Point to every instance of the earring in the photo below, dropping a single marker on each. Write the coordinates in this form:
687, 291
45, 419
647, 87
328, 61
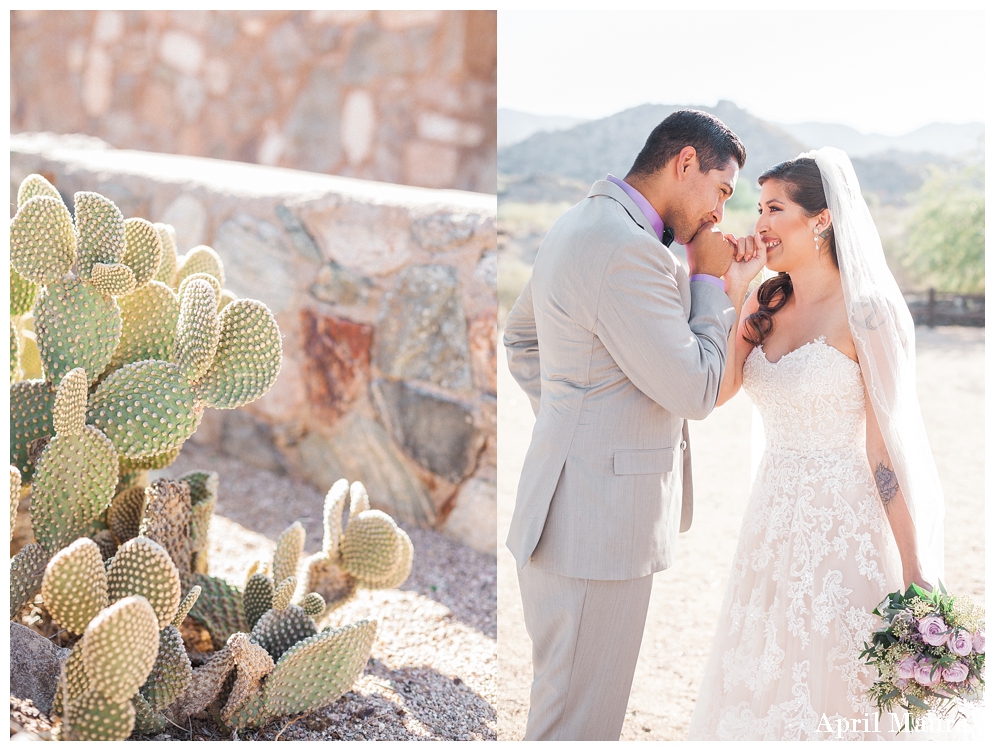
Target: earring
815, 231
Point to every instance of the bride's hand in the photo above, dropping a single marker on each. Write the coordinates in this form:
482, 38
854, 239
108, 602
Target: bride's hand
751, 256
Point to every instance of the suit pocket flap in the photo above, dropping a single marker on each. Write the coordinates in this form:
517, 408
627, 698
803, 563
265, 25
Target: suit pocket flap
644, 462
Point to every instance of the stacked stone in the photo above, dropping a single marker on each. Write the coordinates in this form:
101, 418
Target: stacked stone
386, 296
403, 96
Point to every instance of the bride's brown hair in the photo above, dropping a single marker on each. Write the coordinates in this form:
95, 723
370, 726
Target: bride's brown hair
804, 183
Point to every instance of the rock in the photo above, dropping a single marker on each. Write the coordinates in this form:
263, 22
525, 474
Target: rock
360, 449
339, 286
486, 271
473, 520
374, 54
443, 230
298, 233
34, 666
337, 363
250, 441
370, 239
482, 335
182, 52
257, 261
421, 330
312, 128
359, 121
430, 165
189, 218
436, 432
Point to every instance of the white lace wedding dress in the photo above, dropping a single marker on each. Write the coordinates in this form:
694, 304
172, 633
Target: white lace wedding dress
815, 556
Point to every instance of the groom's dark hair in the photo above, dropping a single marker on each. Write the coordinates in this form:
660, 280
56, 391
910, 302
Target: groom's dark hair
714, 143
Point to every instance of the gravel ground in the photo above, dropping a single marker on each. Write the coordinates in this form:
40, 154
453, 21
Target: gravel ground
432, 672
684, 606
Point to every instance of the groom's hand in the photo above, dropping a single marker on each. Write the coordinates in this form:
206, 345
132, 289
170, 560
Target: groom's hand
710, 252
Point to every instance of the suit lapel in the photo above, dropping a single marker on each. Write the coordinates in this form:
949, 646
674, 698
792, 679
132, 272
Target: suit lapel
611, 190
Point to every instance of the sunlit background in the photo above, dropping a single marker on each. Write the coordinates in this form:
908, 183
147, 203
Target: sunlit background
578, 92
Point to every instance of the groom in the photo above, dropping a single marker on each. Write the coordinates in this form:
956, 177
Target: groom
616, 346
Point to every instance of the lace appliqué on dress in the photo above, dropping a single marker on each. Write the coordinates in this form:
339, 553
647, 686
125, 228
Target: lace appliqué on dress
815, 556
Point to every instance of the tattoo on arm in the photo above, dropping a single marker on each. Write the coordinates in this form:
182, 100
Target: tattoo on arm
887, 484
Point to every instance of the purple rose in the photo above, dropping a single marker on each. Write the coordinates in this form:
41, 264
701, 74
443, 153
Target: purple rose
959, 641
906, 669
933, 630
925, 675
979, 642
956, 673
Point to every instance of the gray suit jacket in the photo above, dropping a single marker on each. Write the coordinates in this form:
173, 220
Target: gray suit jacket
615, 349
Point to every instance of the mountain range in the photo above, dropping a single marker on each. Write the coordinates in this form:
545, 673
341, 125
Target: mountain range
572, 157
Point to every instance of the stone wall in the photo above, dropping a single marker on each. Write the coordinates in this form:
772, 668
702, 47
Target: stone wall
404, 96
386, 297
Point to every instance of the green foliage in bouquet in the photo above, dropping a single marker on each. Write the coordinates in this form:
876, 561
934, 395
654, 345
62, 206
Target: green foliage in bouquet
929, 653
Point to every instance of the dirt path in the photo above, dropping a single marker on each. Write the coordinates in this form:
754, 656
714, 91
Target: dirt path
686, 597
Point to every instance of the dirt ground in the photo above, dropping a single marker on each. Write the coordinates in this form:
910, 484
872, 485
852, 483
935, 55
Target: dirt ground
951, 391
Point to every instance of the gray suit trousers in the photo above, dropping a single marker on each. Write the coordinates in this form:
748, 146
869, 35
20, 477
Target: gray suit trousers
585, 641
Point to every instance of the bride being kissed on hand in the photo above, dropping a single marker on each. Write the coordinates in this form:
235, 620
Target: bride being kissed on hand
847, 505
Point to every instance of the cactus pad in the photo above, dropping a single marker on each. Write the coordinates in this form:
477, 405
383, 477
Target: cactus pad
248, 357
145, 408
143, 249
124, 516
148, 324
171, 672
31, 405
335, 501
279, 630
289, 548
185, 606
16, 374
76, 327
370, 546
93, 717
15, 497
252, 663
36, 185
284, 593
114, 279
42, 240
69, 410
166, 273
23, 293
257, 598
215, 284
219, 608
73, 681
316, 672
143, 567
27, 571
359, 499
200, 259
147, 720
167, 520
205, 684
120, 647
74, 482
75, 585
152, 461
99, 232
198, 329
313, 604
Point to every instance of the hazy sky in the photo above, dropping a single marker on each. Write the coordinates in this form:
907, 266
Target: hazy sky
878, 71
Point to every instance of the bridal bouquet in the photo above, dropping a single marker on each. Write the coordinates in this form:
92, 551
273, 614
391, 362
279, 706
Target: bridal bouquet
929, 652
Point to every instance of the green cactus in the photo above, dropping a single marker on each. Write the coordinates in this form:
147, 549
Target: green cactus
313, 604
124, 515
23, 294
289, 548
219, 608
93, 717
166, 273
311, 674
31, 405
100, 232
200, 259
27, 571
278, 630
42, 240
16, 374
120, 647
171, 672
76, 474
75, 585
257, 598
15, 497
185, 606
36, 185
148, 324
143, 567
147, 720
143, 250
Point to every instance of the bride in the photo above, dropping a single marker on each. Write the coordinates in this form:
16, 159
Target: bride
847, 505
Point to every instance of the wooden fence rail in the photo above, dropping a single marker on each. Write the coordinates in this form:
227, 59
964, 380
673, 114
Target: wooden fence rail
932, 308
